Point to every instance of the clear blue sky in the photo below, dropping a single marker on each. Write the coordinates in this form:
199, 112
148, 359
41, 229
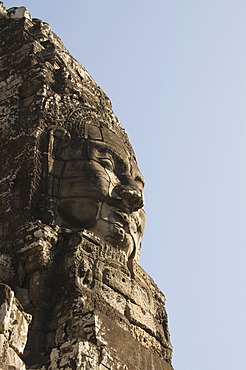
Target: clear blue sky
175, 71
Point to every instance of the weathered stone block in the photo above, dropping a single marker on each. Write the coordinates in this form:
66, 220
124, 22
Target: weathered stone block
13, 330
117, 280
6, 268
140, 294
74, 355
114, 299
13, 320
115, 352
142, 318
9, 359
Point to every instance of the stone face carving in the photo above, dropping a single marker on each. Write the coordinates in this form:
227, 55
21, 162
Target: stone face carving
96, 185
71, 217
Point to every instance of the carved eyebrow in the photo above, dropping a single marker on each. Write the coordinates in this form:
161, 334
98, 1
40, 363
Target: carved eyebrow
121, 165
106, 160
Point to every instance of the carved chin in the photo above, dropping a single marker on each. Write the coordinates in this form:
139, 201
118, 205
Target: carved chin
114, 234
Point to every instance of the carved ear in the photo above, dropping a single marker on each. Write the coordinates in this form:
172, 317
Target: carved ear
59, 139
55, 142
44, 200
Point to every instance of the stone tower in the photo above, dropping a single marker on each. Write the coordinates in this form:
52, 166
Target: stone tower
72, 292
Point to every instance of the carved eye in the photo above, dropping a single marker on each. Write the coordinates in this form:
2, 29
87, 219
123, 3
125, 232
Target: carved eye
107, 163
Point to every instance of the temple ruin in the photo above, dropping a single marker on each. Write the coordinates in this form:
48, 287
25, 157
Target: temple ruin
72, 292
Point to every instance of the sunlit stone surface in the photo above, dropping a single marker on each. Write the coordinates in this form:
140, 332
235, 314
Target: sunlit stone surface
73, 293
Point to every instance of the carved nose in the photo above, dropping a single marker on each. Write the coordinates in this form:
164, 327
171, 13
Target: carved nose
131, 197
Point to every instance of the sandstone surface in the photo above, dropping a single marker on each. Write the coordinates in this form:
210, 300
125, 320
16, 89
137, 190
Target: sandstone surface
72, 292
